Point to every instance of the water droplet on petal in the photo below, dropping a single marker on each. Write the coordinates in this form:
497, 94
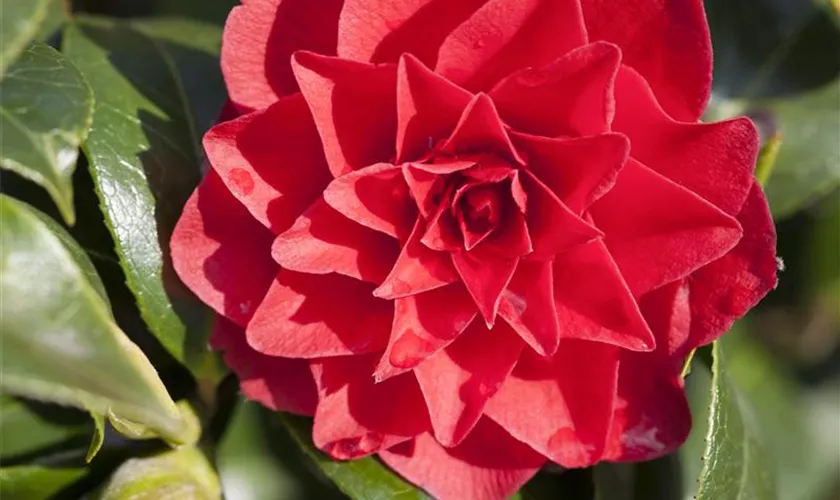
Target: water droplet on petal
240, 181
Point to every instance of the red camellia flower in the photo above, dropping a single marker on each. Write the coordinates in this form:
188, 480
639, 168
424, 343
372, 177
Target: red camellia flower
474, 236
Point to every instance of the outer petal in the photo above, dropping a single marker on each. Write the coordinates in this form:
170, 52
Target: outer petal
664, 40
658, 231
652, 417
354, 109
424, 324
418, 269
594, 302
323, 241
313, 316
376, 197
458, 381
578, 170
727, 288
271, 160
281, 384
505, 35
221, 252
572, 95
382, 30
562, 407
357, 417
527, 305
715, 160
428, 108
259, 39
667, 311
488, 465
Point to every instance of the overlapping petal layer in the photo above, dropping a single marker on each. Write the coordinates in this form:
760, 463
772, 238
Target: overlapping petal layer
474, 235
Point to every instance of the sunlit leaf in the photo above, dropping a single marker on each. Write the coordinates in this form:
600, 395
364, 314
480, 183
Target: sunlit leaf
735, 462
182, 473
60, 342
157, 86
19, 23
46, 108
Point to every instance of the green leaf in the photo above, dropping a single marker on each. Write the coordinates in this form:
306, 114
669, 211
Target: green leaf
36, 483
182, 473
362, 479
60, 342
46, 108
58, 13
808, 162
27, 427
98, 436
777, 62
767, 159
157, 86
772, 48
79, 256
19, 23
735, 465
214, 11
780, 415
246, 461
804, 462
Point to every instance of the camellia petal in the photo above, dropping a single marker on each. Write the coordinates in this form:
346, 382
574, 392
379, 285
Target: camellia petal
553, 227
577, 170
480, 130
291, 322
418, 269
571, 96
350, 421
424, 324
593, 301
323, 241
282, 384
354, 108
485, 278
667, 42
727, 288
652, 243
221, 252
528, 306
667, 311
545, 404
505, 35
271, 160
376, 197
488, 465
259, 40
652, 417
427, 184
714, 160
382, 30
428, 108
457, 384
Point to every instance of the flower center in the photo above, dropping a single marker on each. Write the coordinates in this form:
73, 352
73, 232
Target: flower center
478, 209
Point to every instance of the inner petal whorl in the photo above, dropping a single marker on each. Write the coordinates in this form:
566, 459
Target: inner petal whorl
479, 208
